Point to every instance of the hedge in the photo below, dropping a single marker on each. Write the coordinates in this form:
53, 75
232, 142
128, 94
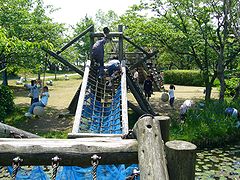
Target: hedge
6, 102
183, 77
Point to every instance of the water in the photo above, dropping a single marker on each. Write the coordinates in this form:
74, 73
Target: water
218, 163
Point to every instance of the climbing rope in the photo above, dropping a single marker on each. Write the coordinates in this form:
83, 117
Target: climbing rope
55, 165
16, 164
95, 161
101, 112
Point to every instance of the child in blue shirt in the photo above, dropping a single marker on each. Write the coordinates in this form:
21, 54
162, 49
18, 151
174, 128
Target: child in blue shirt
34, 91
43, 102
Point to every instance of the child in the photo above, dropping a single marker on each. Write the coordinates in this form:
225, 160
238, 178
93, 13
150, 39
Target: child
98, 51
43, 102
135, 76
232, 112
34, 92
148, 87
114, 69
187, 104
171, 95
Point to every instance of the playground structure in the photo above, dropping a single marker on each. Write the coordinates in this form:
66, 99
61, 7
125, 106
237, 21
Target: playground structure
101, 128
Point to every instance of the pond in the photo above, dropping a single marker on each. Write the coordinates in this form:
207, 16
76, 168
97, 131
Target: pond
218, 163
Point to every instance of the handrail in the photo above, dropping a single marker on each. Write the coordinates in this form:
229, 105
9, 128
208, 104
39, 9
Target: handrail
81, 99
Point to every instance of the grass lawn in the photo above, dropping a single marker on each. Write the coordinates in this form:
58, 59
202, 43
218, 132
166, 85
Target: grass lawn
61, 94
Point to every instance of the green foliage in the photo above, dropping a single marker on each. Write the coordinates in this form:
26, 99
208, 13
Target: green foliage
183, 77
231, 84
207, 126
54, 134
6, 102
24, 29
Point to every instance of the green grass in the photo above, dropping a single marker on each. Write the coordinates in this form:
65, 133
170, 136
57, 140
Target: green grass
207, 126
16, 117
54, 134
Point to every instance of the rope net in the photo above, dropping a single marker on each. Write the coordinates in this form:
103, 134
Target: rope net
101, 112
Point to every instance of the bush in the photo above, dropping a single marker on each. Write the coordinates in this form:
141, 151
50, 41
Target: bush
6, 102
231, 84
208, 126
183, 77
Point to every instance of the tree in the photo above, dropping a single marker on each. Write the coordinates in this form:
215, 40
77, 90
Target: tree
198, 30
107, 19
28, 28
82, 48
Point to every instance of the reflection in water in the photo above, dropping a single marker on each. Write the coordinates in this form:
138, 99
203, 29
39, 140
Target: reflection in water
219, 163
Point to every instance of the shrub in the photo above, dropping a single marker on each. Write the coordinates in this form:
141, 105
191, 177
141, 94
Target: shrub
231, 84
6, 102
183, 77
208, 126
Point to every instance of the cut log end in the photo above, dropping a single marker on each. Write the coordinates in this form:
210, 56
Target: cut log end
181, 145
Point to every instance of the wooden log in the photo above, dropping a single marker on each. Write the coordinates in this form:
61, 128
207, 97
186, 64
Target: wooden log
62, 60
73, 104
73, 152
7, 131
89, 29
151, 155
181, 158
164, 125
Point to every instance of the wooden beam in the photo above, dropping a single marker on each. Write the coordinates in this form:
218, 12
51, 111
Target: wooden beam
136, 109
124, 100
110, 35
73, 152
9, 131
65, 62
151, 155
90, 28
73, 104
141, 61
136, 46
78, 113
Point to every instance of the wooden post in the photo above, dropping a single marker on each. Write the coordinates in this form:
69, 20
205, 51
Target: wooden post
151, 155
164, 125
120, 43
181, 158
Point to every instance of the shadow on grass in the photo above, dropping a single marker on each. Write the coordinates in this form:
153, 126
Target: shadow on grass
49, 125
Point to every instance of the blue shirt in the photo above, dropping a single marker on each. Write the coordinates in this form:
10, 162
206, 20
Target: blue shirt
232, 111
44, 98
34, 91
